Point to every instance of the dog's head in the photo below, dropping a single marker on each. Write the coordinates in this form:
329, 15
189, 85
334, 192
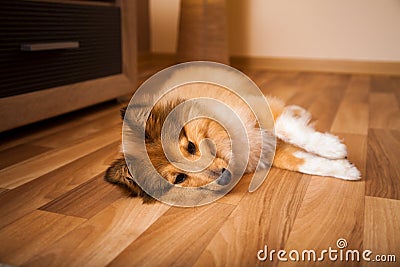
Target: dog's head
190, 138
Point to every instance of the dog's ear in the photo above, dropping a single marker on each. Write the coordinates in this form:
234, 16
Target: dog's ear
118, 174
123, 111
157, 117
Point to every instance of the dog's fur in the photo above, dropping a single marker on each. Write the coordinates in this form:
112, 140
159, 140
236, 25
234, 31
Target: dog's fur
299, 147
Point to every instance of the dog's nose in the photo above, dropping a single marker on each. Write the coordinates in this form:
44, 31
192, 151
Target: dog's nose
225, 177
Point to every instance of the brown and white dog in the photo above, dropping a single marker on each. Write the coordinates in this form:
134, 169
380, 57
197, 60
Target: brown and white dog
299, 147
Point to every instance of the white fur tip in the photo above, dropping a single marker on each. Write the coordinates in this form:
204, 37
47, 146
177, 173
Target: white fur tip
350, 173
295, 129
339, 168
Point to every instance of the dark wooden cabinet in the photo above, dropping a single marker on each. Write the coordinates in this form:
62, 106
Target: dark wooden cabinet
44, 45
58, 56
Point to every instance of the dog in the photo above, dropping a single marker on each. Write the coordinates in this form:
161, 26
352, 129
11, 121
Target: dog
299, 147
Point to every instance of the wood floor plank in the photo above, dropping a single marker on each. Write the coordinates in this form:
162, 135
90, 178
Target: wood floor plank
25, 237
396, 87
238, 192
77, 133
189, 239
284, 93
56, 210
386, 84
357, 150
35, 167
20, 153
309, 87
385, 111
351, 118
279, 84
358, 89
353, 113
262, 77
58, 124
86, 200
331, 209
100, 239
381, 229
325, 106
383, 161
282, 85
263, 217
303, 98
24, 199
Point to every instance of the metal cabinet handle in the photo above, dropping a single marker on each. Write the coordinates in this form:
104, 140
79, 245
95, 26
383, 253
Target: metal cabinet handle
49, 46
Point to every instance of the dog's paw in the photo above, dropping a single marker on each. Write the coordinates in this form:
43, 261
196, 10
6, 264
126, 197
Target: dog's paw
347, 171
339, 168
327, 145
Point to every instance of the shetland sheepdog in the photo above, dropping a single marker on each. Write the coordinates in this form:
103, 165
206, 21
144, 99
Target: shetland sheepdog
299, 147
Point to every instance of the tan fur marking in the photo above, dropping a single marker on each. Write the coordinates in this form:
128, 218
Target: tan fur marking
284, 157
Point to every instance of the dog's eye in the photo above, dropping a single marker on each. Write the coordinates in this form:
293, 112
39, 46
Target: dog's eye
180, 178
191, 148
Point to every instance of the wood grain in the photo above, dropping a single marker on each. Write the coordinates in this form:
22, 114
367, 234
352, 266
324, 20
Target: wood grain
381, 235
325, 106
20, 153
282, 92
386, 84
61, 123
74, 134
353, 113
25, 237
33, 168
289, 210
86, 200
385, 112
17, 110
357, 150
331, 209
238, 192
349, 115
281, 85
383, 164
313, 87
265, 216
26, 198
100, 239
189, 239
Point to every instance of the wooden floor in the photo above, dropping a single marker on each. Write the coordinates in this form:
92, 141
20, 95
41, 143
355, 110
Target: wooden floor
56, 210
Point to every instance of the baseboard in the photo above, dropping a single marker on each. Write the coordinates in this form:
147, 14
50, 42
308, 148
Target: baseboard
318, 65
296, 64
